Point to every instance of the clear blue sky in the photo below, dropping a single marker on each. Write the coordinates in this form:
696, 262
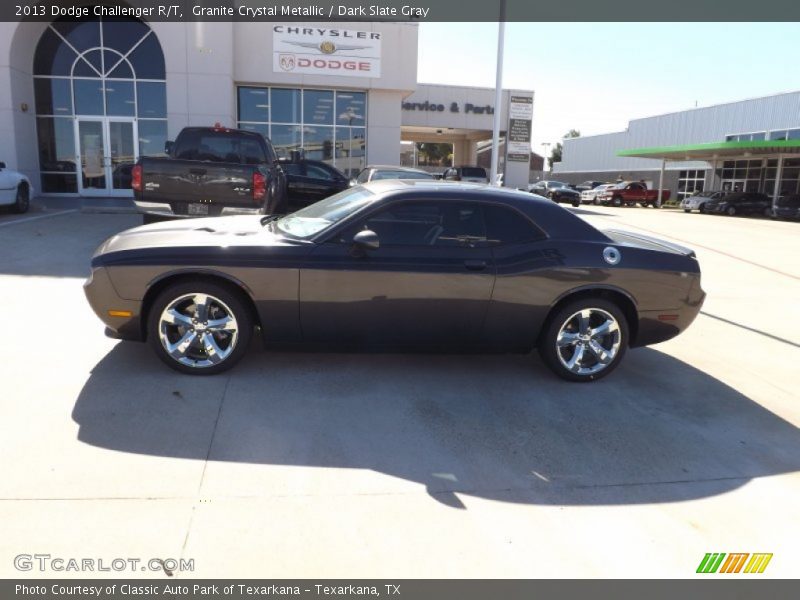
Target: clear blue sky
595, 77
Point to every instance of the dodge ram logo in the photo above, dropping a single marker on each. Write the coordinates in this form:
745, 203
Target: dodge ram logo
287, 62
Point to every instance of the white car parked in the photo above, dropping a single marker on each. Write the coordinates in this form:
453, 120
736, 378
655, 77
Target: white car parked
590, 196
15, 189
698, 200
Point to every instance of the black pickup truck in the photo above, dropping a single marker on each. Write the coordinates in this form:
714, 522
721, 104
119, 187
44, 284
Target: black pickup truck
210, 171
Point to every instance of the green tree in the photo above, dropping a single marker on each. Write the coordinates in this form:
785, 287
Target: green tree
555, 153
434, 154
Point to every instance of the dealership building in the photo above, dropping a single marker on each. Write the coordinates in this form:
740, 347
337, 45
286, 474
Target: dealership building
751, 145
81, 100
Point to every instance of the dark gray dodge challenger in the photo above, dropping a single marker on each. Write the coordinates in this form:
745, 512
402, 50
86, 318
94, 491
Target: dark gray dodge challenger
397, 264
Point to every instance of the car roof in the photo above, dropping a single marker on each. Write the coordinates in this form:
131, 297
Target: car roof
551, 217
396, 168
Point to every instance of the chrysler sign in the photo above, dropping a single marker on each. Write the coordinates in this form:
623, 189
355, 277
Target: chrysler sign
326, 51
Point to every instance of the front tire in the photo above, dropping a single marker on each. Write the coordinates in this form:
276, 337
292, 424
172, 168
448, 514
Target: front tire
199, 328
616, 201
687, 210
731, 211
23, 200
585, 340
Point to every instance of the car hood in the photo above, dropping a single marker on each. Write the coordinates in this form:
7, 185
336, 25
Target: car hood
244, 230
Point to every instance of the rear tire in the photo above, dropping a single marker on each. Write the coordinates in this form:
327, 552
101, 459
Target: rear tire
585, 340
616, 201
731, 211
23, 201
199, 327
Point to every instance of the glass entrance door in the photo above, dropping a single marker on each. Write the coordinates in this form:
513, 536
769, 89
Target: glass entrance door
106, 154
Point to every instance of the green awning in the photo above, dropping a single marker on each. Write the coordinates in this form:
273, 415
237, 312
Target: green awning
716, 150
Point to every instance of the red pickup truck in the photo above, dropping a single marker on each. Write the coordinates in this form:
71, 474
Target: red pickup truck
629, 193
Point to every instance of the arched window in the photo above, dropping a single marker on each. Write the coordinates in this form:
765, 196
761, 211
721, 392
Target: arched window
107, 68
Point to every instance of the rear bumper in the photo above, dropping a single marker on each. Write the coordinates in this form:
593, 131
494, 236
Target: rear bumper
657, 326
166, 210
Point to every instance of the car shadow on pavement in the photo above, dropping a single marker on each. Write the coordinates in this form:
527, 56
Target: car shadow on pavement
491, 426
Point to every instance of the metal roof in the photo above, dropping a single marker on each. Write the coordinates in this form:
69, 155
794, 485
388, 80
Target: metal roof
714, 150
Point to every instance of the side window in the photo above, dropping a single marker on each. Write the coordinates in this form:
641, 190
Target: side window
317, 172
363, 177
426, 224
507, 226
295, 169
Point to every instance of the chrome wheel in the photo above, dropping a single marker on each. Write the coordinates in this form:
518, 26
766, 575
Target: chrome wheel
198, 330
588, 341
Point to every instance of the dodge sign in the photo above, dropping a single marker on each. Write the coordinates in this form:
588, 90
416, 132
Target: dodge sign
326, 51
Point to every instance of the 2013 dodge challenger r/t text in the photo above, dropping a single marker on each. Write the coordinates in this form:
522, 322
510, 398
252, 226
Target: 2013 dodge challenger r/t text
397, 264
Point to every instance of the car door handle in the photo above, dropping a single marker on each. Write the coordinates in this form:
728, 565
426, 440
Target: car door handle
475, 265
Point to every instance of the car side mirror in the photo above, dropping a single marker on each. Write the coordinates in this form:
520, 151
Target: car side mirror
366, 240
169, 146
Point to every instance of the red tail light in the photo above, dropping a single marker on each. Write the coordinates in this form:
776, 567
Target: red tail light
259, 186
136, 178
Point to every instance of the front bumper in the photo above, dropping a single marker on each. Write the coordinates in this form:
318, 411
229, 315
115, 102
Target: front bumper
121, 317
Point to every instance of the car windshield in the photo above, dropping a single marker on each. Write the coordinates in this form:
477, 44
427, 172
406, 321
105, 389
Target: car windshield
556, 184
310, 221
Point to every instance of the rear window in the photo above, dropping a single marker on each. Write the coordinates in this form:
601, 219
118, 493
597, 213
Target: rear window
400, 175
473, 172
219, 146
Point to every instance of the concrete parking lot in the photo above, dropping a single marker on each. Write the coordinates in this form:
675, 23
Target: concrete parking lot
357, 465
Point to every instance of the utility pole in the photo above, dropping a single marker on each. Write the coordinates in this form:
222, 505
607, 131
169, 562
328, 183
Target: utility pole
498, 95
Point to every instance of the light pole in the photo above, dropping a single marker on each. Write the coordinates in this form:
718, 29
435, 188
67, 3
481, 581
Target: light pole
498, 95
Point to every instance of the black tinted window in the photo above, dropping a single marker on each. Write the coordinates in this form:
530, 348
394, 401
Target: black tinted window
292, 168
219, 147
507, 226
318, 172
427, 224
473, 172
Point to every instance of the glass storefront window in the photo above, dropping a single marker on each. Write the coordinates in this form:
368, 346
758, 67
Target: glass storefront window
101, 68
318, 142
286, 138
285, 105
88, 96
318, 107
56, 144
119, 99
295, 119
261, 128
253, 104
53, 97
690, 182
152, 137
151, 98
351, 108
